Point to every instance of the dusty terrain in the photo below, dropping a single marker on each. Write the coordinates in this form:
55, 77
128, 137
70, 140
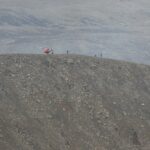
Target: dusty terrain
60, 102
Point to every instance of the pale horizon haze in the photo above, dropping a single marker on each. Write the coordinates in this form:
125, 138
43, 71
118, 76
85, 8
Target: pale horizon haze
120, 29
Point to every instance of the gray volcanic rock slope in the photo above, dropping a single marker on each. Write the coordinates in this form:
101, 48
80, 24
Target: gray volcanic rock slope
59, 102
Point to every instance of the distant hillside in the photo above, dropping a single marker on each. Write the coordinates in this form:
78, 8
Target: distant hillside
118, 28
60, 102
14, 18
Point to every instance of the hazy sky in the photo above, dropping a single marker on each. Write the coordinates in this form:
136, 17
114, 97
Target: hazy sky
118, 28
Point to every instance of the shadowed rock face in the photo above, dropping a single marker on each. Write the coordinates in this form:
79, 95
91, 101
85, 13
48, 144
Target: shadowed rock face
59, 102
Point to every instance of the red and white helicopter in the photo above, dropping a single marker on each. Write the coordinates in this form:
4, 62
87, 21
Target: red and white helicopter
48, 51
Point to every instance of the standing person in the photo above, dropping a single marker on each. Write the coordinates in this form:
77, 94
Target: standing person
101, 55
67, 52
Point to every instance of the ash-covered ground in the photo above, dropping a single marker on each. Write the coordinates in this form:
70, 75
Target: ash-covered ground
72, 102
